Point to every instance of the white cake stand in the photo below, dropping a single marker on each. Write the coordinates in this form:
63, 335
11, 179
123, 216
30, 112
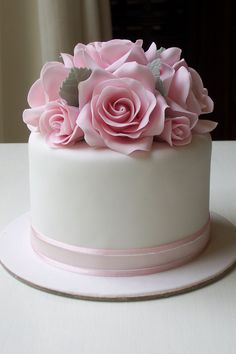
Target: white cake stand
17, 256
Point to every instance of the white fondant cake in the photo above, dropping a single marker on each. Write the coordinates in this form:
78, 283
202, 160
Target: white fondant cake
119, 160
99, 198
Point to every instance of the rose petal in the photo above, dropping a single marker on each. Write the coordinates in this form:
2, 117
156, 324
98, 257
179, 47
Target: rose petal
53, 75
204, 126
175, 110
171, 55
108, 55
139, 42
138, 72
182, 142
135, 54
166, 133
91, 137
179, 64
151, 53
200, 92
36, 96
112, 133
151, 99
86, 87
167, 74
110, 113
68, 60
31, 117
193, 104
180, 86
110, 120
114, 50
83, 59
128, 146
157, 117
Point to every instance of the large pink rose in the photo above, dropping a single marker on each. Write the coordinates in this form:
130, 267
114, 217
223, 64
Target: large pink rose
56, 121
121, 110
107, 55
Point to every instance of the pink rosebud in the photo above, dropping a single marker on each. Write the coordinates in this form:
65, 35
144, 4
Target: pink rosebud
177, 131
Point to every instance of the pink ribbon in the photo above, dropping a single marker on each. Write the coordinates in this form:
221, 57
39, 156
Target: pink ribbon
120, 262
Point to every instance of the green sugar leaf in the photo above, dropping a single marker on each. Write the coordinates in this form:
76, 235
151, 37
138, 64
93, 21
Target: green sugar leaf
69, 90
155, 67
160, 87
160, 50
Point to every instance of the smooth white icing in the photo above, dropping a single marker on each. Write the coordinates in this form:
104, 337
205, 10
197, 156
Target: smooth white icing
104, 199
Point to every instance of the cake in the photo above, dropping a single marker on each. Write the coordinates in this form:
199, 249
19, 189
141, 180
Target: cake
119, 160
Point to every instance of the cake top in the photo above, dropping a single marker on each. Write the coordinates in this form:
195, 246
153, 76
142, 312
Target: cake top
114, 94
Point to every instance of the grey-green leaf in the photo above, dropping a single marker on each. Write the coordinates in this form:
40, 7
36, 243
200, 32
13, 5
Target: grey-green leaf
160, 50
69, 90
155, 67
160, 87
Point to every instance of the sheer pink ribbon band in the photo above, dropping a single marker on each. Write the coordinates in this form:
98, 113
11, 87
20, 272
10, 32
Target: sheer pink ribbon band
120, 262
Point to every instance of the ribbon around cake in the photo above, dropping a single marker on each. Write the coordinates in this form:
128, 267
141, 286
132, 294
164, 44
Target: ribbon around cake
120, 262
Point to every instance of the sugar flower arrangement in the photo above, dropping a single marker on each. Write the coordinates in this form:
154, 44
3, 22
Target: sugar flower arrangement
114, 94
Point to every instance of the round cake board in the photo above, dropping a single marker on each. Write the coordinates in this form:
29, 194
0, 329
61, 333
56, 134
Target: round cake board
17, 256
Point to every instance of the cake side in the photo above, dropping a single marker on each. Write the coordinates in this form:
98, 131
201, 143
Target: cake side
100, 198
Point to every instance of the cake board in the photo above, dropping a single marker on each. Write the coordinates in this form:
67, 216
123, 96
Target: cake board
19, 259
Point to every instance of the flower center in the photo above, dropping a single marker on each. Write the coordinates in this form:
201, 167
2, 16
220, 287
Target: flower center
120, 107
179, 131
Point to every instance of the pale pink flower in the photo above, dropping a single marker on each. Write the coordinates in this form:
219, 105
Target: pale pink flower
56, 121
121, 110
183, 87
177, 131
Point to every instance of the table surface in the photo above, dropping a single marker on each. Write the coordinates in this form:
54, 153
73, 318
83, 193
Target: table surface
35, 322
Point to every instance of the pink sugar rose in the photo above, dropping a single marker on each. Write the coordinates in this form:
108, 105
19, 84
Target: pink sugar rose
50, 119
121, 110
58, 124
56, 121
108, 55
177, 131
130, 98
186, 92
